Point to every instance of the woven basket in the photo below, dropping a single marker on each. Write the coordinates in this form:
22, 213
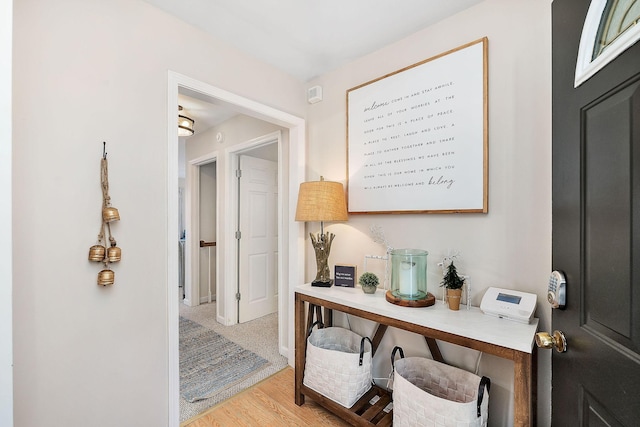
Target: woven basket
430, 393
337, 365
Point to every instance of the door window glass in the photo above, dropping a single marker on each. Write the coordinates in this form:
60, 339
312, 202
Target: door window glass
611, 26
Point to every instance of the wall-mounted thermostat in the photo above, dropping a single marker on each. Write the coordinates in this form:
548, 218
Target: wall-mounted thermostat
509, 304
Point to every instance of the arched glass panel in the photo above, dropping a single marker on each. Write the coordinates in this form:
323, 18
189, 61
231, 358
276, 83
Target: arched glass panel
611, 26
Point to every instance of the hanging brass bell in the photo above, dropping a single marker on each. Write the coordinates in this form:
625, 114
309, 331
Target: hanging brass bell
106, 277
96, 253
110, 214
114, 254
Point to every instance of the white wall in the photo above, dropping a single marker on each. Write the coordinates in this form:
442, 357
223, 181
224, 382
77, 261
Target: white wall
511, 245
6, 320
97, 71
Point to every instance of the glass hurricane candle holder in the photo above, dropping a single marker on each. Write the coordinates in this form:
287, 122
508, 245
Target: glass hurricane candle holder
409, 278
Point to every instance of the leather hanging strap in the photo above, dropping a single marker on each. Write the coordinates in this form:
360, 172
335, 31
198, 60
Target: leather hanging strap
317, 322
484, 382
362, 341
393, 355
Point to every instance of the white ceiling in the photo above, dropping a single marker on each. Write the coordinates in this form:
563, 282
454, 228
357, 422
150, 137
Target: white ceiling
304, 38
307, 38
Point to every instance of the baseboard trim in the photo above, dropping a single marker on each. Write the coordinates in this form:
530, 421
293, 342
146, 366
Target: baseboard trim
205, 299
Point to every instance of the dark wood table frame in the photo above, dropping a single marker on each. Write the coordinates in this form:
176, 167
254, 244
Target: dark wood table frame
525, 365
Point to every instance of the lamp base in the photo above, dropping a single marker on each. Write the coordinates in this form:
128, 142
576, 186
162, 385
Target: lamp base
427, 301
322, 284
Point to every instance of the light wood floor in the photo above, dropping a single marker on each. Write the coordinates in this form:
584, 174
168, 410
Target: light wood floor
268, 403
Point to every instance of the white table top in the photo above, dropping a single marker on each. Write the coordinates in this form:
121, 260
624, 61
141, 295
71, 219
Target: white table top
470, 323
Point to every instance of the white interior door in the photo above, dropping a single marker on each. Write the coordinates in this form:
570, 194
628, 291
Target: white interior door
258, 243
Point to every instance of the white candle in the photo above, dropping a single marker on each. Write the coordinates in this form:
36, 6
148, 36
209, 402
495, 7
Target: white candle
408, 278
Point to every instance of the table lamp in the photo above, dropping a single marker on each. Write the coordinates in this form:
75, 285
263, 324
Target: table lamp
321, 201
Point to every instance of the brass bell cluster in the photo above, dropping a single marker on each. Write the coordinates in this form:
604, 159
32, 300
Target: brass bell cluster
100, 252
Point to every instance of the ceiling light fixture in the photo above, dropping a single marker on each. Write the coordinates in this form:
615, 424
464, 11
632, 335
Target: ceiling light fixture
185, 124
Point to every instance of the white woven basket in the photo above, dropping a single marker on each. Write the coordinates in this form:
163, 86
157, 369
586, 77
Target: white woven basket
430, 393
333, 366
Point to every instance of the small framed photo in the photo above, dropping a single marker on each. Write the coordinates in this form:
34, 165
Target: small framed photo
345, 276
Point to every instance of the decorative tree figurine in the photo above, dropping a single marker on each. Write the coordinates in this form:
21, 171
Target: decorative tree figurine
453, 284
322, 246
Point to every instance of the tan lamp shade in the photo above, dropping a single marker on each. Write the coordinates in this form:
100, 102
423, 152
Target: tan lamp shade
321, 201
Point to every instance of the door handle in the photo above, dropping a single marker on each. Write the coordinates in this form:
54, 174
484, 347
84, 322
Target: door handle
557, 341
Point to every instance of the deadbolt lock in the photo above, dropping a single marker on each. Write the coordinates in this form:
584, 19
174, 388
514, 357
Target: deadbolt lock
557, 341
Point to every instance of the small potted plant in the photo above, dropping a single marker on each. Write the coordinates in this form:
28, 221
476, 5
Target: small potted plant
453, 283
369, 282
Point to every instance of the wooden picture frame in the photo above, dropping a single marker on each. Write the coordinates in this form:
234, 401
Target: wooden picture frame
417, 139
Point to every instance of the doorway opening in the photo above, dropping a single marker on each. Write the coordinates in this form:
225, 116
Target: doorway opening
292, 240
201, 221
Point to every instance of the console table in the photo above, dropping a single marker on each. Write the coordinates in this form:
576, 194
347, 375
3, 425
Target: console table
468, 328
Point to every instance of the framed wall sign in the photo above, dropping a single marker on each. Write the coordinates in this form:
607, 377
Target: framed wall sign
345, 276
417, 138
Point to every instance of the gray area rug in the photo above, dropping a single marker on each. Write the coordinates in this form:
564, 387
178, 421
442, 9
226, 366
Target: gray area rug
210, 363
259, 336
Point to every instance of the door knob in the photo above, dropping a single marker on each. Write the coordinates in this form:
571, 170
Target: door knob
557, 341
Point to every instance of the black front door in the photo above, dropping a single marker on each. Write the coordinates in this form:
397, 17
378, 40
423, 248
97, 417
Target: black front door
596, 231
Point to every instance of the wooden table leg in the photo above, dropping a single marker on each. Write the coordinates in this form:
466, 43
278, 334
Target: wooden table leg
534, 386
319, 316
309, 316
328, 317
300, 349
522, 389
377, 338
434, 349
